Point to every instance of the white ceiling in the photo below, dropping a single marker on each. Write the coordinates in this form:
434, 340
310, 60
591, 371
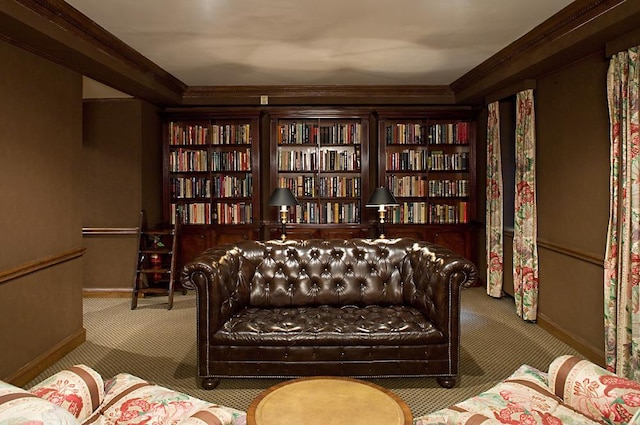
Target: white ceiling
318, 42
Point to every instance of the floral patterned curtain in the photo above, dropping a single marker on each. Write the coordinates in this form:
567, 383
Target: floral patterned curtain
525, 231
494, 211
622, 256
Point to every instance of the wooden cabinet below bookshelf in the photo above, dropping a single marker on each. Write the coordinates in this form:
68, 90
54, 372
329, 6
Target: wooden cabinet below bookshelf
197, 238
325, 231
457, 238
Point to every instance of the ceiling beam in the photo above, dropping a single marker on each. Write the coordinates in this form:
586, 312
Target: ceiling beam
57, 31
581, 29
318, 94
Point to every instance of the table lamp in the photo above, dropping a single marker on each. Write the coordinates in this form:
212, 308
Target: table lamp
382, 198
283, 198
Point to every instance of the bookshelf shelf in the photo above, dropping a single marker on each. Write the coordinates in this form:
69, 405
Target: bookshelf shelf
426, 159
322, 156
212, 168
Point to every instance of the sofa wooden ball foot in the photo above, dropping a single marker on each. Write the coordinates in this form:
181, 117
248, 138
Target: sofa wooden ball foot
446, 381
210, 383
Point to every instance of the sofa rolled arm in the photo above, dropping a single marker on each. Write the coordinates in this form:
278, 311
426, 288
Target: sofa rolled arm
438, 275
214, 275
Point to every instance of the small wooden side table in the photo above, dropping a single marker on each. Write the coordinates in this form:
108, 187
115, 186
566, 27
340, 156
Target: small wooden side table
327, 400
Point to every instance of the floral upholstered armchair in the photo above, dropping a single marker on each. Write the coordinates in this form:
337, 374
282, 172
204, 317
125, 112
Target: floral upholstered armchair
574, 391
79, 395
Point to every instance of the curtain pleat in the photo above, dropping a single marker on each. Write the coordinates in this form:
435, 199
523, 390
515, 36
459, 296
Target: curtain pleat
525, 232
494, 211
622, 254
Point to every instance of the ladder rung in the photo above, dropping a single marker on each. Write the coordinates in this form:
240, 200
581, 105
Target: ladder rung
154, 270
156, 251
158, 232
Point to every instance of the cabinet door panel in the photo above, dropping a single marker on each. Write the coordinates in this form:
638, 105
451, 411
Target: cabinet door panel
191, 244
455, 241
232, 235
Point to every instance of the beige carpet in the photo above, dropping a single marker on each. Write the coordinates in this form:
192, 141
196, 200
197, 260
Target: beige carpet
160, 345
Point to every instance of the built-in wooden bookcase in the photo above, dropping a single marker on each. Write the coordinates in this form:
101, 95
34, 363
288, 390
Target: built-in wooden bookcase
323, 158
212, 166
427, 160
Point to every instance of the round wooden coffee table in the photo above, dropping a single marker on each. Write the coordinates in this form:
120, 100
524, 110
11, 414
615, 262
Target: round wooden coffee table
326, 400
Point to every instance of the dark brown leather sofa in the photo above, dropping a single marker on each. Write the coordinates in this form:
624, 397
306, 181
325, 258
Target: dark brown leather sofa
359, 308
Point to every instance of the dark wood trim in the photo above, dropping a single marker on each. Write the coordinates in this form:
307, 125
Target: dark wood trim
31, 370
109, 231
40, 264
570, 252
73, 21
580, 255
106, 292
594, 354
56, 31
318, 95
580, 29
511, 90
621, 43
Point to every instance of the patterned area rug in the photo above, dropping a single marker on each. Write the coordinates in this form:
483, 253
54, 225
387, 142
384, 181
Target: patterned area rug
159, 345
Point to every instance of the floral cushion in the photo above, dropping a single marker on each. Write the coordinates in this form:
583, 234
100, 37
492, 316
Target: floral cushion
78, 389
522, 398
131, 400
594, 391
18, 406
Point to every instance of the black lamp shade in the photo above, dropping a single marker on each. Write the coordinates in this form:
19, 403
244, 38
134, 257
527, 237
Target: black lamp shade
282, 196
382, 196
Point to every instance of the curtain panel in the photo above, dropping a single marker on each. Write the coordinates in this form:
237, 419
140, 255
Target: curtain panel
525, 231
622, 255
494, 211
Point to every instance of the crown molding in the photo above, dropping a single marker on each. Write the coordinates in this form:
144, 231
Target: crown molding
59, 32
574, 31
318, 94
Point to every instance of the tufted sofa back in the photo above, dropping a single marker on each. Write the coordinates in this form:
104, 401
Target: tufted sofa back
332, 272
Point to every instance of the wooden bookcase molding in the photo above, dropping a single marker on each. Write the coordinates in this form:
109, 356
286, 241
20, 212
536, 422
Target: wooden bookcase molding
332, 178
212, 176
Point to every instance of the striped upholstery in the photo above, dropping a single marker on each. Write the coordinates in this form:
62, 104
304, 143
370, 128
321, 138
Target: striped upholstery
78, 389
78, 395
18, 406
524, 397
594, 391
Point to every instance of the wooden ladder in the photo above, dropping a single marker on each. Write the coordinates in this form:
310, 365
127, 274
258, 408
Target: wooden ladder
156, 262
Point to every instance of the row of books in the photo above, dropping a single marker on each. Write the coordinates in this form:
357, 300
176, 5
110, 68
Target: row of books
237, 160
448, 188
422, 134
190, 187
439, 161
329, 213
218, 186
449, 134
311, 160
236, 213
222, 213
297, 133
428, 213
422, 160
227, 134
188, 160
196, 213
334, 186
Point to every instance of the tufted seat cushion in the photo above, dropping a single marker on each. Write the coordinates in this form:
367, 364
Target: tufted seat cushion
390, 325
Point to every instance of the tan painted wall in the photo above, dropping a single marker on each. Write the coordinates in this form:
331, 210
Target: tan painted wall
40, 152
572, 195
122, 156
